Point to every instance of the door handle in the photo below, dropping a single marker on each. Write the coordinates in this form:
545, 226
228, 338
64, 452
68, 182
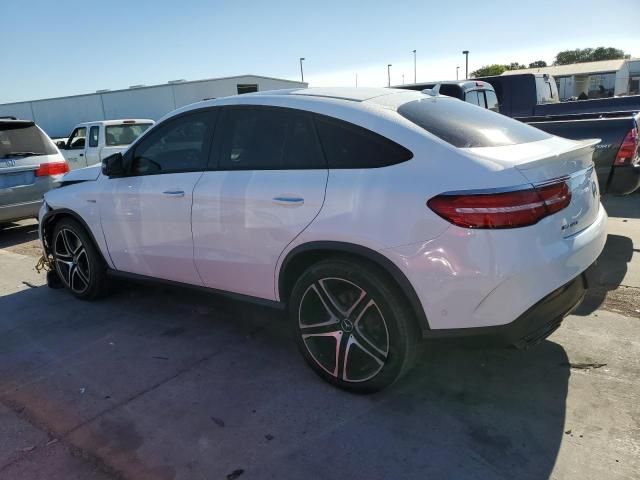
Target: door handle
82, 154
174, 193
289, 201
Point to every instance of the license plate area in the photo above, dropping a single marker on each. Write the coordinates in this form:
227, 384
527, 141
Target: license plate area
17, 179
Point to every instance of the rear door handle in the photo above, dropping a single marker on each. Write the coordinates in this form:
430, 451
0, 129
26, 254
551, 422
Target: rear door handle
174, 193
288, 201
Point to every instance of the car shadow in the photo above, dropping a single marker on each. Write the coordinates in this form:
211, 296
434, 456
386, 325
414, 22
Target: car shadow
608, 273
463, 412
15, 233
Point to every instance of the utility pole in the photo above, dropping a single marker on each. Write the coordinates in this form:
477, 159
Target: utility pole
356, 80
389, 75
457, 69
403, 78
302, 71
466, 60
415, 71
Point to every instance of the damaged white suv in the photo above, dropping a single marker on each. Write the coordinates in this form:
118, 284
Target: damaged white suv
376, 217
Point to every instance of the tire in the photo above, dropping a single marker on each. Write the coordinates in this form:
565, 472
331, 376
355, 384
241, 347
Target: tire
78, 263
352, 325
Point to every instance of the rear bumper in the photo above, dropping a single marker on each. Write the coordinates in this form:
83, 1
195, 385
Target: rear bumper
19, 211
534, 325
624, 180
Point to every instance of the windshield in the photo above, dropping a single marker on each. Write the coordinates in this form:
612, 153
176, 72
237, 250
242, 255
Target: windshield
465, 126
24, 138
124, 134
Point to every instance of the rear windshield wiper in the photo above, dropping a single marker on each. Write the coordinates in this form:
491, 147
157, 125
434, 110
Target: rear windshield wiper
21, 154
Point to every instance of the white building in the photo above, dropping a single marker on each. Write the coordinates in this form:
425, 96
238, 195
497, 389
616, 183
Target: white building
616, 77
57, 116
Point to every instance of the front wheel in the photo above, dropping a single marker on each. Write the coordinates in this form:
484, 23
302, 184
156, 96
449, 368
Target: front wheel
352, 325
77, 261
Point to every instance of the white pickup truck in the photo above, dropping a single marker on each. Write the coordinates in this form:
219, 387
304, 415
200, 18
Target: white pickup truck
90, 142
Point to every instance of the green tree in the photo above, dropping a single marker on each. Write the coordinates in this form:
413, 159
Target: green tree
515, 66
489, 70
538, 64
581, 55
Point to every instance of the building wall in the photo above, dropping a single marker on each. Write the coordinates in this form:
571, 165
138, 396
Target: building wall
58, 116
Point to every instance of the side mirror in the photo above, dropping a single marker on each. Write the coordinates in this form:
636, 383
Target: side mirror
113, 165
61, 144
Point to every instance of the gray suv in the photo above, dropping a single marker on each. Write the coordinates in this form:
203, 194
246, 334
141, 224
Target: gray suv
30, 165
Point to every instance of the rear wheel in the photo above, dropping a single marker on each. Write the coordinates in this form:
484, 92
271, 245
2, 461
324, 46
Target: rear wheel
77, 261
352, 325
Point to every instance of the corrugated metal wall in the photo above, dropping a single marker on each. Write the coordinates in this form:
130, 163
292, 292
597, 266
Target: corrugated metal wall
58, 116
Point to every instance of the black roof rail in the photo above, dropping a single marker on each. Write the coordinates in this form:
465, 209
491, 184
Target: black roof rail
8, 117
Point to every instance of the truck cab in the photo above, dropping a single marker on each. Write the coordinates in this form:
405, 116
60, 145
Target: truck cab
90, 142
476, 92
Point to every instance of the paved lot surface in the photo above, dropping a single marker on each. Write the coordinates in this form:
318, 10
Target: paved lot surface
158, 383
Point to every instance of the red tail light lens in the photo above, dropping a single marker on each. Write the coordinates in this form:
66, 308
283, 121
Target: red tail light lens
502, 210
629, 149
53, 168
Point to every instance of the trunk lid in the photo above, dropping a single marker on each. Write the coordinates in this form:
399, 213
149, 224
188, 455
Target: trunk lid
547, 161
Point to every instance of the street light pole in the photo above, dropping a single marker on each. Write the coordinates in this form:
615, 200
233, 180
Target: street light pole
389, 75
457, 69
415, 75
302, 71
466, 60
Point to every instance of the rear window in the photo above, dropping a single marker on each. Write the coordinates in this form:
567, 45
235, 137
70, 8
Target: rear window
466, 126
124, 134
22, 138
346, 145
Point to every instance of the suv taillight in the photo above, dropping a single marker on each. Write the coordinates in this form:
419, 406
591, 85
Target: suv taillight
628, 150
512, 209
52, 168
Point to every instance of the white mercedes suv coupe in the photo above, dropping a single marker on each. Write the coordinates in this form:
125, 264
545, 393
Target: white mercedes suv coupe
376, 217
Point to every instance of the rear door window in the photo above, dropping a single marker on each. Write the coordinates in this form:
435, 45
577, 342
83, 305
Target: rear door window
93, 136
349, 146
463, 126
259, 138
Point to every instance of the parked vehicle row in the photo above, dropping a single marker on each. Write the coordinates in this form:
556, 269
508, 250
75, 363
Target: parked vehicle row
533, 99
376, 217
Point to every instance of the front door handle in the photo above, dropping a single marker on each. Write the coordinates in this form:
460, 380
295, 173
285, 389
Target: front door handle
288, 201
174, 193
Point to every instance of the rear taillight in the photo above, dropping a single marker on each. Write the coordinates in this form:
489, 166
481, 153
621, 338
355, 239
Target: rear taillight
628, 150
53, 168
512, 209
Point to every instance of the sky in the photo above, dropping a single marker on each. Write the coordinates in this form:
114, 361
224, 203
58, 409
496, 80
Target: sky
58, 48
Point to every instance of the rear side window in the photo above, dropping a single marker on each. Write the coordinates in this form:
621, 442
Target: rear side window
124, 134
178, 145
492, 101
254, 138
93, 136
23, 137
473, 98
463, 126
348, 146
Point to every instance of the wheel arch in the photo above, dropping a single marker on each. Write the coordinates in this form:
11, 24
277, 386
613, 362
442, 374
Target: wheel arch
303, 256
53, 216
